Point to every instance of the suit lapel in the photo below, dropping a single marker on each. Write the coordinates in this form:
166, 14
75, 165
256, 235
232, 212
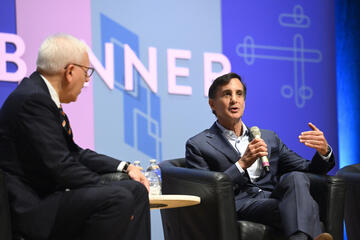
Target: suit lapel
37, 79
220, 143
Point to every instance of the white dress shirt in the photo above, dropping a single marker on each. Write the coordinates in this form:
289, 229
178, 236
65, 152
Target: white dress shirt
240, 144
53, 94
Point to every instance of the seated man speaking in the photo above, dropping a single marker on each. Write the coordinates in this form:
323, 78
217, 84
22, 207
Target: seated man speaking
268, 196
54, 186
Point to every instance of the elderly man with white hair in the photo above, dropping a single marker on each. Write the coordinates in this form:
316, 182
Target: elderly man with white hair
54, 186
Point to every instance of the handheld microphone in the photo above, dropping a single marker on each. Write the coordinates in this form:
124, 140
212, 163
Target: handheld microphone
255, 131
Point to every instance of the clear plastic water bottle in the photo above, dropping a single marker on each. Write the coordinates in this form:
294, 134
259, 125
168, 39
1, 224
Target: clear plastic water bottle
153, 174
154, 167
138, 165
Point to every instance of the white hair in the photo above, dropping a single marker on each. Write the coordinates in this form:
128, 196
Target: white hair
59, 50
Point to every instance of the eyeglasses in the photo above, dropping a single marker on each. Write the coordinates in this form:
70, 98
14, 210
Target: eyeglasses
88, 70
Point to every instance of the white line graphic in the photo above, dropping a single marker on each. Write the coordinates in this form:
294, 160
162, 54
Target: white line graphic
296, 54
296, 19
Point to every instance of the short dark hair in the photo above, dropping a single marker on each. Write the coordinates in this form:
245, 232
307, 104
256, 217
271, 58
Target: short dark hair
223, 80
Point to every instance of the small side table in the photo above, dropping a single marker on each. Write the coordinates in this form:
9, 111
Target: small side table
172, 201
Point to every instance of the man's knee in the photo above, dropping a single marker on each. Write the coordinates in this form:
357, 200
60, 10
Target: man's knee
295, 178
118, 201
292, 181
137, 189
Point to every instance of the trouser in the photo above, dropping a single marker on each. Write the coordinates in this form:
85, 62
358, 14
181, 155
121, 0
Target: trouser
115, 210
289, 207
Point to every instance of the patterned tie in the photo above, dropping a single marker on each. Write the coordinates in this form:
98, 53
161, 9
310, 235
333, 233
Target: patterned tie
65, 122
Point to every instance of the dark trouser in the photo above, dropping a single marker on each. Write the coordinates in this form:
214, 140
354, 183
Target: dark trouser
118, 210
289, 207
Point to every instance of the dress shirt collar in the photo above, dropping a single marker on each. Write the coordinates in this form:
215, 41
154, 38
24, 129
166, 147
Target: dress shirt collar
54, 95
230, 134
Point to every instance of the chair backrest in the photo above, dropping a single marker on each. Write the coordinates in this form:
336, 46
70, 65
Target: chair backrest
351, 175
213, 219
5, 220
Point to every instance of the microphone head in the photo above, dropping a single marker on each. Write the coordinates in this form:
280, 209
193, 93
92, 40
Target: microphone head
255, 131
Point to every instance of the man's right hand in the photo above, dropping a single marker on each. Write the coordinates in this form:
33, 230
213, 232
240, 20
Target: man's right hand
135, 174
257, 148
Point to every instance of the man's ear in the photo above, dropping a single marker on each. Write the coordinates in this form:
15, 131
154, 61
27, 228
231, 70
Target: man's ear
69, 73
211, 103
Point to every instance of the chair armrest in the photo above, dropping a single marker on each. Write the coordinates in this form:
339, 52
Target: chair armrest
5, 219
214, 218
329, 193
115, 176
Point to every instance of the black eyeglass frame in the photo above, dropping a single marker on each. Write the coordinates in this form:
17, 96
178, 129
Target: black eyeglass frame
89, 70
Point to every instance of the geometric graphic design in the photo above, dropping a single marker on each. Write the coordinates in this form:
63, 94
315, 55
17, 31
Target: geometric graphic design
142, 126
8, 25
296, 53
296, 19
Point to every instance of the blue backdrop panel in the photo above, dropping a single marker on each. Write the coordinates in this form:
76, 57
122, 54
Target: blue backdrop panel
284, 51
348, 81
141, 106
7, 25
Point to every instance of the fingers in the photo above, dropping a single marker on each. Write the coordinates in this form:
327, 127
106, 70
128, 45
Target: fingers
256, 148
313, 143
145, 182
308, 136
314, 139
311, 134
313, 127
135, 174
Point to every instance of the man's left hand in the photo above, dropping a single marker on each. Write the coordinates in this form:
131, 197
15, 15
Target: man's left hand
315, 139
135, 174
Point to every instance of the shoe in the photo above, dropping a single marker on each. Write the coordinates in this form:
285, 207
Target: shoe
324, 236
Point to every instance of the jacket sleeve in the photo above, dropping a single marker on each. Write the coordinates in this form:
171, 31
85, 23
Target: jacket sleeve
291, 161
39, 124
203, 160
99, 163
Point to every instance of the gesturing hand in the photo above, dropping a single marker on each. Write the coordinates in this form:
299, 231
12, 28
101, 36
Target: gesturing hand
256, 148
314, 139
135, 174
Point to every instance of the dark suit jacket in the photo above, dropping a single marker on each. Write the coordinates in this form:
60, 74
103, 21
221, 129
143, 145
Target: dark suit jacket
40, 159
210, 150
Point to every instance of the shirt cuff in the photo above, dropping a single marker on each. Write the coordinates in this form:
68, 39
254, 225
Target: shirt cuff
328, 154
121, 166
242, 171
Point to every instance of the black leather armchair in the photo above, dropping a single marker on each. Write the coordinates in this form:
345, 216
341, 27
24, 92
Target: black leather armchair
5, 222
214, 218
351, 175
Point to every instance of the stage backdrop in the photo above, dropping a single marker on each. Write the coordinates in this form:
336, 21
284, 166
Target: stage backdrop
155, 60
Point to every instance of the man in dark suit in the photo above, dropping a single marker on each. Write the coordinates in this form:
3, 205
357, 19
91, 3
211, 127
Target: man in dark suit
55, 189
279, 197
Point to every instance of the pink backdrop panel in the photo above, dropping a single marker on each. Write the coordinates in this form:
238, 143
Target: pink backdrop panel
50, 17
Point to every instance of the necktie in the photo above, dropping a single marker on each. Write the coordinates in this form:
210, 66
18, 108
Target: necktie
65, 122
